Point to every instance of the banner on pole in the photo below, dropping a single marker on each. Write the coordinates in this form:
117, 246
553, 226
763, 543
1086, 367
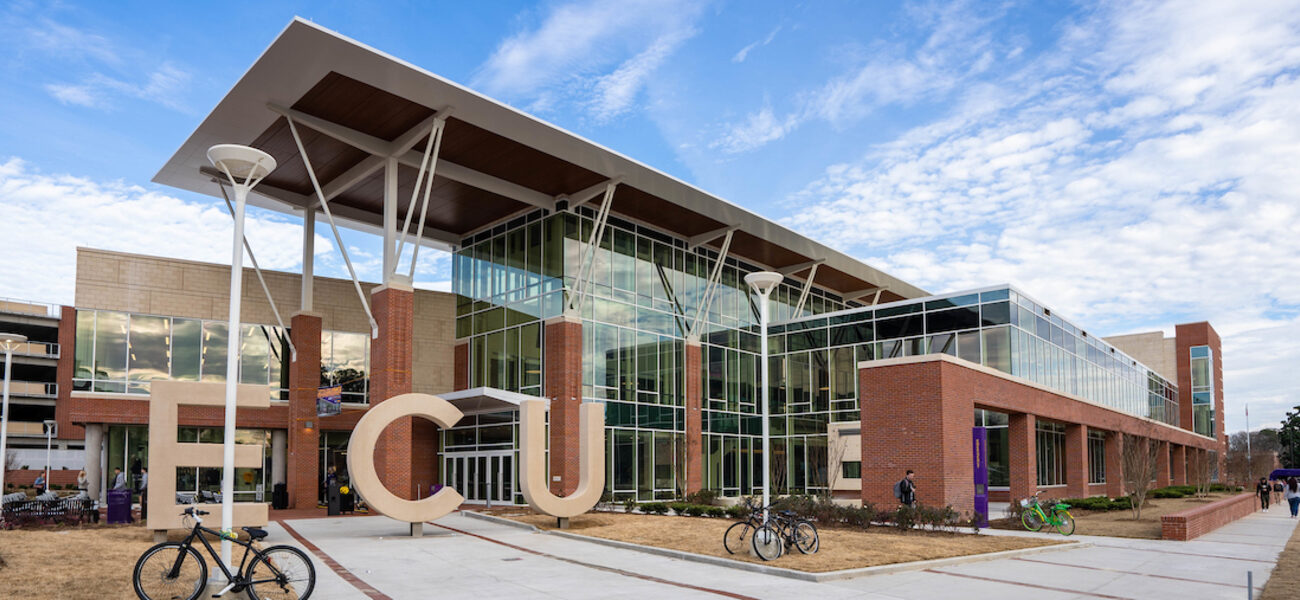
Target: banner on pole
329, 401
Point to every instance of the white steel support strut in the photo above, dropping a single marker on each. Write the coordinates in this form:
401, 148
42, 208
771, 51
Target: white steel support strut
428, 167
338, 239
807, 287
707, 302
293, 352
584, 265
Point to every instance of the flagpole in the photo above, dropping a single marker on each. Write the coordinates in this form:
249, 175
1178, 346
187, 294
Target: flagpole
1250, 472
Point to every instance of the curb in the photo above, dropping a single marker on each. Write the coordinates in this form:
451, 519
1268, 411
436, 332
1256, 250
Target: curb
783, 572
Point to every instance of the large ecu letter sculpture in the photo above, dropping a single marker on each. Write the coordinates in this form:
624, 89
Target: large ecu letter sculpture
532, 456
165, 453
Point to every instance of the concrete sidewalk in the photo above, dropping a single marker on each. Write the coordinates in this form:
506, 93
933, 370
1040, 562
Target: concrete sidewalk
462, 557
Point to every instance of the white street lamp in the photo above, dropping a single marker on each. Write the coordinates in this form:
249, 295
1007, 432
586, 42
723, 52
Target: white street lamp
763, 282
245, 167
8, 341
51, 428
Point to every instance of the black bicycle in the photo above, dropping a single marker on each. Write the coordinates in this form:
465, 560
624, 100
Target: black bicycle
782, 531
740, 532
176, 570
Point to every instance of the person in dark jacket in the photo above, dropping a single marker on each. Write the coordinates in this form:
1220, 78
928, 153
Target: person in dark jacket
1262, 489
905, 489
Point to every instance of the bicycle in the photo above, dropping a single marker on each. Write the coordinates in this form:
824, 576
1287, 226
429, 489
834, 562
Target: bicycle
771, 542
176, 570
1033, 517
736, 535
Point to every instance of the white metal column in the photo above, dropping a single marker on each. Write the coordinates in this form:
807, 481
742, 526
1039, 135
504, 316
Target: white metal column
390, 219
308, 258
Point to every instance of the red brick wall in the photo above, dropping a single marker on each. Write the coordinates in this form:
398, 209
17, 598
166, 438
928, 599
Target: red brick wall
63, 375
920, 412
302, 468
694, 419
1162, 466
915, 425
1200, 334
460, 358
390, 375
1076, 461
26, 477
563, 382
1195, 522
1178, 460
1114, 464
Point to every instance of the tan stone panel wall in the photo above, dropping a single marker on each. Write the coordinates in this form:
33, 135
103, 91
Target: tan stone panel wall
1150, 349
181, 288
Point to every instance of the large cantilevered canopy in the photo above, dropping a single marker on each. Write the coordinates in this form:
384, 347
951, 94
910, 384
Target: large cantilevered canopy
364, 118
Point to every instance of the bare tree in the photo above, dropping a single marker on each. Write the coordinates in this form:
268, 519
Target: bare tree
1140, 458
835, 467
1200, 467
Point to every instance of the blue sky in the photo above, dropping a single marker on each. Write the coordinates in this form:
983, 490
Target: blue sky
1132, 164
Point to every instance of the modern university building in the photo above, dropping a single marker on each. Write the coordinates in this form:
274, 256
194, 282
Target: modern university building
581, 275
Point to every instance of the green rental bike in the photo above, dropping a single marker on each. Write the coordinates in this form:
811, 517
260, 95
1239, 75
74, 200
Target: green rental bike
1033, 516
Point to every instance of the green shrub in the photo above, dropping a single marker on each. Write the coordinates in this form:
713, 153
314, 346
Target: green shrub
903, 517
695, 510
717, 511
655, 508
629, 505
679, 508
738, 511
705, 497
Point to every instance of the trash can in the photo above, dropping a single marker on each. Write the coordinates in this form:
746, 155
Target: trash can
119, 506
280, 497
332, 499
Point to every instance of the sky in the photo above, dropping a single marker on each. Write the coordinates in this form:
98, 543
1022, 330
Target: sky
1131, 164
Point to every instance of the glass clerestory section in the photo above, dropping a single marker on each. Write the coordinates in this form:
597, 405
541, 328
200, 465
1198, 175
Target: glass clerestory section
998, 327
1202, 390
645, 291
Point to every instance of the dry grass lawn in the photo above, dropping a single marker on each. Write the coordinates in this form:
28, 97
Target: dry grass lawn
75, 563
840, 548
1285, 580
1120, 523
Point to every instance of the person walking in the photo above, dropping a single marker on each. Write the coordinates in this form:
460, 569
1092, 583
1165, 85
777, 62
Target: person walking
119, 479
144, 493
83, 483
1292, 493
905, 489
39, 484
1262, 490
1277, 491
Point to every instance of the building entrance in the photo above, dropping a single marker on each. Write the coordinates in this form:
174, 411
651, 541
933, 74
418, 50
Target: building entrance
481, 477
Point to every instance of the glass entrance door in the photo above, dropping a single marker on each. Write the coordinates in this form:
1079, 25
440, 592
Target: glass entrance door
482, 478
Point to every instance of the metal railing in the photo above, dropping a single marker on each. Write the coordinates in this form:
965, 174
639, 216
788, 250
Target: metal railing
37, 349
27, 307
33, 389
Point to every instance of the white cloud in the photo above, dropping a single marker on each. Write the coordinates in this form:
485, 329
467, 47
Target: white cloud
596, 53
743, 53
957, 47
46, 217
1142, 171
164, 86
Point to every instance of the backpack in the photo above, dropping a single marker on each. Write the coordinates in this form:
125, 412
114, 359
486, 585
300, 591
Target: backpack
898, 490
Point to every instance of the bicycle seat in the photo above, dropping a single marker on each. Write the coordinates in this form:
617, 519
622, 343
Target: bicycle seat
254, 532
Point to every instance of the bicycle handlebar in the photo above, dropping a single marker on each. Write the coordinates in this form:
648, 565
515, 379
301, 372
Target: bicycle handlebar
192, 512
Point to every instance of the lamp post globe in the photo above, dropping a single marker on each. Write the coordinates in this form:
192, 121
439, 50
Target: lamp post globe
8, 342
763, 282
244, 167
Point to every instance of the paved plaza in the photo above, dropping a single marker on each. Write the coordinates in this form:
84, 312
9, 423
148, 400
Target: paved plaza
463, 557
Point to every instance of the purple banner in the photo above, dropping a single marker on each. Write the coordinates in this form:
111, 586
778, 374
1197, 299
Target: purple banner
980, 455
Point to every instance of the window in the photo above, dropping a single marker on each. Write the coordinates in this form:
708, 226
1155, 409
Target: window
1096, 457
1051, 453
852, 469
1202, 390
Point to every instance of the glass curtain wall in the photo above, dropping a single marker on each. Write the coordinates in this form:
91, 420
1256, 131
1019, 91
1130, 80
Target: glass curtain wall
1050, 442
999, 449
645, 290
998, 327
120, 352
1096, 456
1202, 390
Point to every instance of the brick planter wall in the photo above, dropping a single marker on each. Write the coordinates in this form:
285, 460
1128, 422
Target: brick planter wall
1195, 522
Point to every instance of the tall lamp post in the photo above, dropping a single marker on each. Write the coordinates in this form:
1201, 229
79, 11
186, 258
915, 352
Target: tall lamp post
51, 429
8, 341
763, 282
244, 167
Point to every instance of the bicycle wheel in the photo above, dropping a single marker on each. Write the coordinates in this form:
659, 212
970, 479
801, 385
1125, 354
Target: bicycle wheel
767, 543
736, 537
1030, 519
170, 571
1064, 521
806, 538
280, 573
